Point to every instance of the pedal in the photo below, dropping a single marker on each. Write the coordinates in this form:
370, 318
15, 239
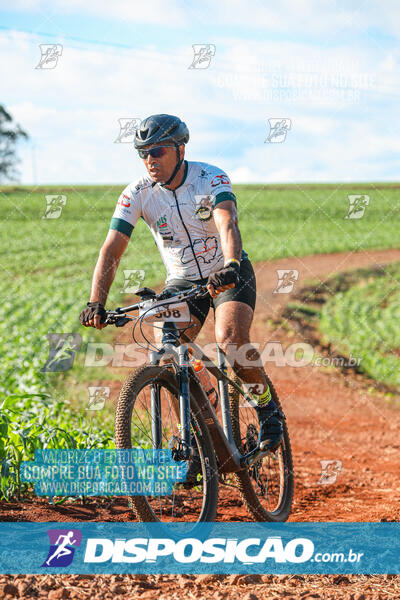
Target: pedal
257, 454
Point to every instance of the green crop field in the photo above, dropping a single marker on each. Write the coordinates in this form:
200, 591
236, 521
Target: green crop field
364, 321
47, 265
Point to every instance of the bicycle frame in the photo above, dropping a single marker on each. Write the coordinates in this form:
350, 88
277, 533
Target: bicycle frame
229, 458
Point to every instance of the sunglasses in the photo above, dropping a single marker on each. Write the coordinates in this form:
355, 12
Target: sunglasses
156, 152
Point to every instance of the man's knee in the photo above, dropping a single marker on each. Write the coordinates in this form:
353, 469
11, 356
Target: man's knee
234, 348
226, 338
240, 352
232, 326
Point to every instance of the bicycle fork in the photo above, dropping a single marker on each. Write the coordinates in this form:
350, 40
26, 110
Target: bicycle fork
184, 399
180, 446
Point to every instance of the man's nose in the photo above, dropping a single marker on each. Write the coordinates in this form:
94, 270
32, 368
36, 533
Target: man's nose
151, 159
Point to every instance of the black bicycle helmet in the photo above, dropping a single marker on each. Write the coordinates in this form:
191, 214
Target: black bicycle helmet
161, 128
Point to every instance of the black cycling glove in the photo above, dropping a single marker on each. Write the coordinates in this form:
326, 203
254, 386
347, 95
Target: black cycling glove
225, 276
95, 308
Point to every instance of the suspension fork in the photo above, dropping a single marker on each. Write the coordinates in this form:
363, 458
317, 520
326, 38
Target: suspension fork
181, 356
155, 416
169, 333
184, 399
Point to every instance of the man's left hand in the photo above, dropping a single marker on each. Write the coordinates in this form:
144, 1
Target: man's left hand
223, 280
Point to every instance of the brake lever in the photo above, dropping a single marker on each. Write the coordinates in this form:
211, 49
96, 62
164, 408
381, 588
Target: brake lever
121, 321
186, 294
201, 294
117, 320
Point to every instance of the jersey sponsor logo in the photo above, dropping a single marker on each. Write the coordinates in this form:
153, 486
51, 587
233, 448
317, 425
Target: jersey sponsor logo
221, 179
204, 249
204, 207
164, 229
162, 224
203, 213
124, 201
142, 186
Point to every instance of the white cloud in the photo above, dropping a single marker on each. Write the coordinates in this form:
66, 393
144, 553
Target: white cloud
241, 175
353, 154
155, 12
302, 16
72, 111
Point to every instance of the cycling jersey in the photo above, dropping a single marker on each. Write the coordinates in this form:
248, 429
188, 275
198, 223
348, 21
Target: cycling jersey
180, 220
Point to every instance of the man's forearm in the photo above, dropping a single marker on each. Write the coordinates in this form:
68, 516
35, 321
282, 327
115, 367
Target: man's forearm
226, 222
103, 276
231, 240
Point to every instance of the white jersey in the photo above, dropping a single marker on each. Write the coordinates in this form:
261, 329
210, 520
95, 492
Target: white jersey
180, 220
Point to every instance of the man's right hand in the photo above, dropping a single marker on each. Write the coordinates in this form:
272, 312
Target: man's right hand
223, 280
93, 316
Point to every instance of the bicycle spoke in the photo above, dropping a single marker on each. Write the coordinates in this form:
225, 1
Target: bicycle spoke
267, 486
184, 501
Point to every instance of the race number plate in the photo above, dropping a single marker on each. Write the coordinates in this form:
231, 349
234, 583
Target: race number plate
152, 312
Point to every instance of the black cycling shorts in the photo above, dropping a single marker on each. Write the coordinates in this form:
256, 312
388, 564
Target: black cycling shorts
244, 291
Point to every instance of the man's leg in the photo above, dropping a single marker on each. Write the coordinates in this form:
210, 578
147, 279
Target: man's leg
232, 331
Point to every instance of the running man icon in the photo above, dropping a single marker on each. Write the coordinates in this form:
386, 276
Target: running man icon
61, 550
286, 280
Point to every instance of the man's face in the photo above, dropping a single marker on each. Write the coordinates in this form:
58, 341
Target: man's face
160, 169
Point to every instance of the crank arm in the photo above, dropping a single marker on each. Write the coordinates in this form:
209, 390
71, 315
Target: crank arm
249, 459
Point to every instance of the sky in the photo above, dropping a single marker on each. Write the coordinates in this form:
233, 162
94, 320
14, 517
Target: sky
328, 72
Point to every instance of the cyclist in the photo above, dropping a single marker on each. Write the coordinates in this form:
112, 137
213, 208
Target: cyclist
190, 209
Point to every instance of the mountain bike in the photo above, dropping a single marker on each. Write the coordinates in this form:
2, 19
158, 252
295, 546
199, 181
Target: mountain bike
162, 405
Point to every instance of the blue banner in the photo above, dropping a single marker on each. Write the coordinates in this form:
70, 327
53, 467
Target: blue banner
281, 548
142, 472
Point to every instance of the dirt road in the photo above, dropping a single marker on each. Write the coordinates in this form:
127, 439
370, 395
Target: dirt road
331, 416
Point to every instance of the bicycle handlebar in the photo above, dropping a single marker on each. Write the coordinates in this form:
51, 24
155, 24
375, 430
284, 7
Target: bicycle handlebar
116, 317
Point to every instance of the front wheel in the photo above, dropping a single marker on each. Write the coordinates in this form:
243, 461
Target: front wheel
196, 499
266, 488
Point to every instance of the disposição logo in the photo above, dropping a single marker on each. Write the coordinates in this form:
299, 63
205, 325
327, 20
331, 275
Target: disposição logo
62, 547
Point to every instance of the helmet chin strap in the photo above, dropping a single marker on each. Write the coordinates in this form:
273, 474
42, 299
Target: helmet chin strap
178, 165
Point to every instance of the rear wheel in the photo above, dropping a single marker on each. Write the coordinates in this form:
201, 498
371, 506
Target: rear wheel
266, 488
194, 500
